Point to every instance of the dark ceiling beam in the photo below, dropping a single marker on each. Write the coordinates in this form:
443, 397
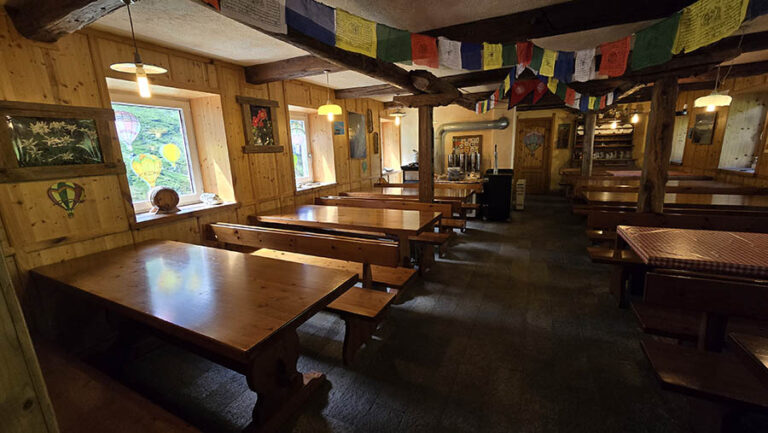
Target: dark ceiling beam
289, 69
558, 19
48, 20
368, 91
467, 100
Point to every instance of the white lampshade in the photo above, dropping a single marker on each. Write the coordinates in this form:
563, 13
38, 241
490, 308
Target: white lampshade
714, 99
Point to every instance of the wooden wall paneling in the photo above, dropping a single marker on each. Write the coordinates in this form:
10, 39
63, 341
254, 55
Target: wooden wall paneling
211, 137
263, 166
73, 78
226, 215
286, 181
297, 93
34, 222
24, 75
181, 231
341, 147
59, 253
244, 211
189, 72
318, 96
321, 142
113, 51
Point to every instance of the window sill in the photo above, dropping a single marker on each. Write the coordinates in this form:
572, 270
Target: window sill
147, 219
312, 186
746, 172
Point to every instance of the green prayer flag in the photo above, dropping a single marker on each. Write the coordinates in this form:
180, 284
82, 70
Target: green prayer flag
653, 46
509, 55
561, 89
538, 55
394, 45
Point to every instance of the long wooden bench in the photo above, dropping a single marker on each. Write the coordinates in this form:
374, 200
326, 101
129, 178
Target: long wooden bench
361, 308
87, 400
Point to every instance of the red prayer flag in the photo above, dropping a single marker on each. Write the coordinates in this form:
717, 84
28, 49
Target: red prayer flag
614, 60
214, 3
521, 89
524, 52
539, 91
424, 50
570, 96
602, 102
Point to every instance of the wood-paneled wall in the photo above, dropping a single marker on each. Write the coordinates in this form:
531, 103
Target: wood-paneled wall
74, 71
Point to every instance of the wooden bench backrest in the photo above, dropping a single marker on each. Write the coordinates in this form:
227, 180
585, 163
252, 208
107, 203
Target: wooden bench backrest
478, 187
443, 208
366, 251
609, 221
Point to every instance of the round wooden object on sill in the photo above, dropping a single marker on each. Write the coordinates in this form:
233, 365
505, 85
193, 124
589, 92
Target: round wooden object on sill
164, 200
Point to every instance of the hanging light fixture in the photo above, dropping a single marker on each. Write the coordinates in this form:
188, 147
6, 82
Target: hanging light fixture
635, 117
397, 115
714, 99
329, 109
138, 67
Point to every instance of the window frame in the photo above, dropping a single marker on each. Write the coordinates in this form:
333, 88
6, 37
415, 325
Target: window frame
190, 144
294, 115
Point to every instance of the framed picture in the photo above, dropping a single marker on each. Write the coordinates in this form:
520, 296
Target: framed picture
357, 136
44, 141
703, 128
338, 127
260, 124
563, 135
376, 143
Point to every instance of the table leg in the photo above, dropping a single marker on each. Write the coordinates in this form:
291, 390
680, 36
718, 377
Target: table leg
405, 250
712, 331
280, 388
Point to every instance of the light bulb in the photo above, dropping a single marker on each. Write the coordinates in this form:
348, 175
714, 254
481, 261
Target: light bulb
330, 117
142, 82
614, 125
710, 108
397, 120
635, 118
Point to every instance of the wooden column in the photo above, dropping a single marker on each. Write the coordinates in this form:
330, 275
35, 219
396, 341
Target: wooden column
426, 158
590, 119
658, 146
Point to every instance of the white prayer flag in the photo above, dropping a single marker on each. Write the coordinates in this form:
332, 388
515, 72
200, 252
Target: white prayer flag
266, 15
449, 52
609, 99
585, 65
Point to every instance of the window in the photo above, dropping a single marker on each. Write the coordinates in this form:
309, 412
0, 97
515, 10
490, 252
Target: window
158, 148
302, 159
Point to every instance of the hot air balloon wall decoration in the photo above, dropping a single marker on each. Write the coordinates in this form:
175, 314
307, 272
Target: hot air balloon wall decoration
66, 195
48, 142
260, 124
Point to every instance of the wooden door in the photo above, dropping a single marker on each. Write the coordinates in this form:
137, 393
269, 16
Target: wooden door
532, 150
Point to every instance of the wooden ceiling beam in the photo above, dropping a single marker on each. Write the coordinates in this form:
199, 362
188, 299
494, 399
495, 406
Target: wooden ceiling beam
289, 69
49, 20
558, 19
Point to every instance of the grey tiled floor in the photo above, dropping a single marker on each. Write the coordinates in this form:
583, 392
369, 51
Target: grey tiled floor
514, 331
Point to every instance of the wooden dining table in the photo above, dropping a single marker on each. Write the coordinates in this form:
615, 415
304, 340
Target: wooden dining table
672, 200
673, 186
462, 194
716, 273
238, 310
398, 223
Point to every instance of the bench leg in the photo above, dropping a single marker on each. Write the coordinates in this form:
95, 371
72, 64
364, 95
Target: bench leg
358, 331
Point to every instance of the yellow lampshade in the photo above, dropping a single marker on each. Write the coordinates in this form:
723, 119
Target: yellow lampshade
329, 110
714, 99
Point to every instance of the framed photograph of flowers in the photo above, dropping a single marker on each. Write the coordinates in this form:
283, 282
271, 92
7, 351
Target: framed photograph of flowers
41, 141
260, 123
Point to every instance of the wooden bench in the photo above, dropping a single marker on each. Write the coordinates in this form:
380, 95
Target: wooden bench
474, 186
87, 400
363, 309
627, 267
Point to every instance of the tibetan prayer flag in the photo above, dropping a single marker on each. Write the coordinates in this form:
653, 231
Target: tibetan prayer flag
552, 85
313, 19
478, 107
450, 53
537, 57
548, 60
214, 3
508, 80
757, 8
524, 53
539, 91
614, 57
356, 34
521, 89
424, 50
585, 65
471, 56
519, 69
393, 45
509, 54
653, 46
584, 103
492, 56
576, 100
570, 96
564, 66
707, 21
609, 99
603, 101
561, 90
268, 15
594, 103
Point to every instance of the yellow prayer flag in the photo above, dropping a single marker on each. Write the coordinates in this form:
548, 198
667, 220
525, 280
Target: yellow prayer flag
355, 34
707, 21
492, 56
548, 63
552, 85
507, 84
592, 101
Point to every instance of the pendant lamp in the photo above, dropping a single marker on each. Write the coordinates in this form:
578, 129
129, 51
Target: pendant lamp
329, 109
137, 67
397, 115
714, 99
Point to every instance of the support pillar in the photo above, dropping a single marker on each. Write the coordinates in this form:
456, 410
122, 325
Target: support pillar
426, 158
590, 120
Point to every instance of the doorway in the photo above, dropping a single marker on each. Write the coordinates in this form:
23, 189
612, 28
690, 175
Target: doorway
532, 153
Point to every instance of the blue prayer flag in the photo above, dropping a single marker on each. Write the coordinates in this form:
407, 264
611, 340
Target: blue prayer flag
584, 102
564, 66
471, 56
313, 19
756, 8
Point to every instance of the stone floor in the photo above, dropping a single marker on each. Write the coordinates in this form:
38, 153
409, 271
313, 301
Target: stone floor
514, 331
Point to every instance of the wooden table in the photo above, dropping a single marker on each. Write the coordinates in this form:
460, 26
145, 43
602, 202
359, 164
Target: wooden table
398, 223
707, 201
673, 186
717, 273
238, 310
398, 192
